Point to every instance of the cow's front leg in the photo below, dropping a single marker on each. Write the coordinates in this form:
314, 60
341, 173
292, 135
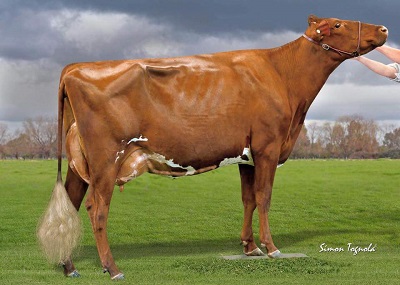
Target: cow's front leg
249, 205
98, 205
264, 178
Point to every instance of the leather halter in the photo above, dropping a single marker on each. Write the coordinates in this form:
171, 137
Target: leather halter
339, 51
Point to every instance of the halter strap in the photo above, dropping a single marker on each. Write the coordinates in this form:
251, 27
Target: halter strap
339, 51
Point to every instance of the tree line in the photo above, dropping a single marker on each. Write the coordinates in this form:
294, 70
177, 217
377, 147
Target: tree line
37, 139
349, 137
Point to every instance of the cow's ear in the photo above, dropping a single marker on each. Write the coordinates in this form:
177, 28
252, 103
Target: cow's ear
312, 19
323, 28
318, 28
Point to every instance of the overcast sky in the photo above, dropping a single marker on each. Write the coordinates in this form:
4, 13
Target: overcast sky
39, 37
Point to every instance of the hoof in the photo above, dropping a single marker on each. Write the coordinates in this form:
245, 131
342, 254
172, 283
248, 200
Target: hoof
74, 274
255, 252
118, 277
275, 254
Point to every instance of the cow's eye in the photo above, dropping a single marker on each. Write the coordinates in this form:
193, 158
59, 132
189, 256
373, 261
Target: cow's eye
337, 26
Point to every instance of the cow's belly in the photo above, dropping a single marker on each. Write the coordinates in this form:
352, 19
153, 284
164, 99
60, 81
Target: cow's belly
140, 160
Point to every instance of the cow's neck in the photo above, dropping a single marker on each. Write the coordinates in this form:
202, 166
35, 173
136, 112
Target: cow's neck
304, 67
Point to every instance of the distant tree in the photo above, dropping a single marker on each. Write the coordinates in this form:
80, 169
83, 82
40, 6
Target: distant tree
360, 136
312, 132
42, 134
392, 139
3, 132
384, 128
3, 138
324, 140
302, 146
337, 145
19, 146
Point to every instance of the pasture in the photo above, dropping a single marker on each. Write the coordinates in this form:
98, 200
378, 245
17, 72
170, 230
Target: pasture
174, 231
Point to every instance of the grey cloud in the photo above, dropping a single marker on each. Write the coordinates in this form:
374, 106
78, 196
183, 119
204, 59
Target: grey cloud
28, 89
26, 35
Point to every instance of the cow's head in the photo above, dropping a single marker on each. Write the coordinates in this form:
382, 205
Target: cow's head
346, 38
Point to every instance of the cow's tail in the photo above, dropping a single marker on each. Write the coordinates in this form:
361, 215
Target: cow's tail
59, 229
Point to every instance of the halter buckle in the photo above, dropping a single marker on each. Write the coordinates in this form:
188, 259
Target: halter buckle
325, 46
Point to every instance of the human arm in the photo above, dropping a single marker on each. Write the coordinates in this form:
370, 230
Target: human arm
390, 52
378, 67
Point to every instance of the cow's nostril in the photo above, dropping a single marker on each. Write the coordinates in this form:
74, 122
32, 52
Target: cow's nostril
384, 29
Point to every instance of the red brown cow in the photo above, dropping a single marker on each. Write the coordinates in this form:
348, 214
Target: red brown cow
185, 116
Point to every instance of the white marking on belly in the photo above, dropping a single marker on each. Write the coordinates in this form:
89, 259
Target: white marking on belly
239, 159
139, 139
161, 159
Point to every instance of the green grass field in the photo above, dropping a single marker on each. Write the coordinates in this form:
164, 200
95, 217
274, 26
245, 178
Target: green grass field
174, 231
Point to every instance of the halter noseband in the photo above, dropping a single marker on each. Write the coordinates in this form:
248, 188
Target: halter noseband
341, 52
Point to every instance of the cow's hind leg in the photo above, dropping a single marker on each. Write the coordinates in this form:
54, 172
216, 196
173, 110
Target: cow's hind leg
76, 189
98, 205
249, 204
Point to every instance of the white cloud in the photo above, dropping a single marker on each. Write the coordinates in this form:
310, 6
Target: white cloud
371, 102
104, 33
133, 36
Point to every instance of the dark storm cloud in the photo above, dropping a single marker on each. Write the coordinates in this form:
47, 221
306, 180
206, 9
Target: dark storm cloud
214, 16
25, 25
